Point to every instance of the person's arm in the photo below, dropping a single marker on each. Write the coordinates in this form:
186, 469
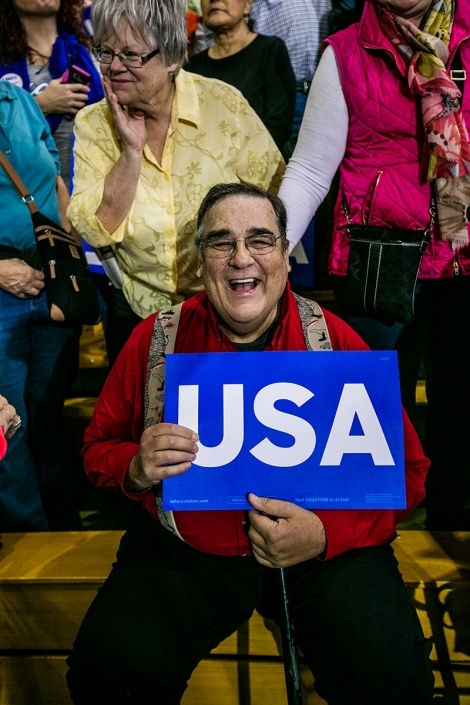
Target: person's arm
279, 100
112, 438
118, 452
63, 198
319, 150
121, 183
107, 170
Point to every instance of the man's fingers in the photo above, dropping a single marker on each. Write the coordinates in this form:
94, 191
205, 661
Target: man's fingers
162, 472
263, 558
270, 507
171, 432
162, 458
166, 450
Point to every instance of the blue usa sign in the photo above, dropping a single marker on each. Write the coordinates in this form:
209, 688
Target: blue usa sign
320, 430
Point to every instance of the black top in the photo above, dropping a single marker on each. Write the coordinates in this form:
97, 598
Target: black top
263, 73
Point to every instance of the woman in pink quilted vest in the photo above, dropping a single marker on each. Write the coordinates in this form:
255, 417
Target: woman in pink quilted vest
388, 109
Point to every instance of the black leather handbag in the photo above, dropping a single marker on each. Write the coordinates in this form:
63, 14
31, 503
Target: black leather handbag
71, 293
383, 268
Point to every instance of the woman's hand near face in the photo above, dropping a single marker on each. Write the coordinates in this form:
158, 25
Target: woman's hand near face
121, 182
130, 124
165, 450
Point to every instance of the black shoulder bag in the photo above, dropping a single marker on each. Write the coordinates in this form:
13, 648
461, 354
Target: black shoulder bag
70, 290
383, 269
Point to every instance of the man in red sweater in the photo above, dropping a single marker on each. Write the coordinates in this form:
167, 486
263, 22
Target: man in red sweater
184, 581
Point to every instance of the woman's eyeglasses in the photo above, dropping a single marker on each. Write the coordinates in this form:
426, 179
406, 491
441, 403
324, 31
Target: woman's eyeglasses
127, 58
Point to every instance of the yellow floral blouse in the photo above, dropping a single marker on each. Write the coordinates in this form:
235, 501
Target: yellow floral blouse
214, 137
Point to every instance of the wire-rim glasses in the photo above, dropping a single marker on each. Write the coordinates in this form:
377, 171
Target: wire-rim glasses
224, 245
127, 58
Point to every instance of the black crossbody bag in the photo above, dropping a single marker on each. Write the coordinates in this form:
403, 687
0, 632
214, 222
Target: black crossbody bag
71, 293
383, 268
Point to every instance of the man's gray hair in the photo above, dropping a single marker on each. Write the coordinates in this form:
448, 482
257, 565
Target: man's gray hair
159, 23
219, 191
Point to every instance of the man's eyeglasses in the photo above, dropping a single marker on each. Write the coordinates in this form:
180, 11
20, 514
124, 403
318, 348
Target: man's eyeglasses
127, 58
224, 246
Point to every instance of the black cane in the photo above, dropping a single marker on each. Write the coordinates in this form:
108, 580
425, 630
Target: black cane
291, 666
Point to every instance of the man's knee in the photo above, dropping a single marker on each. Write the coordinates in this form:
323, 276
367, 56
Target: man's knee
106, 684
403, 678
366, 645
118, 657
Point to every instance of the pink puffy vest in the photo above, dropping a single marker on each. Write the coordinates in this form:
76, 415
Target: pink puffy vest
381, 174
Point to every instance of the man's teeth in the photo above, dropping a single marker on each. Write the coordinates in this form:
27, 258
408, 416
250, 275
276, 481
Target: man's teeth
235, 283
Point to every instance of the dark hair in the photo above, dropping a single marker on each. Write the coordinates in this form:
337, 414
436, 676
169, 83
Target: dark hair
13, 43
219, 191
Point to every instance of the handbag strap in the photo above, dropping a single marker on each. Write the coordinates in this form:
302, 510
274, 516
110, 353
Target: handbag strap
17, 183
457, 71
428, 230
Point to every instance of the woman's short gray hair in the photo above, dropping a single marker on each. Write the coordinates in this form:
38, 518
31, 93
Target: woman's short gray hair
159, 23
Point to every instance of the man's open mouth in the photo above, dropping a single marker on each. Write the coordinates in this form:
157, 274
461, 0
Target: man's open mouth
243, 284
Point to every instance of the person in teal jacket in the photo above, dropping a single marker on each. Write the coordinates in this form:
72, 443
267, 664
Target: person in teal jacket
35, 488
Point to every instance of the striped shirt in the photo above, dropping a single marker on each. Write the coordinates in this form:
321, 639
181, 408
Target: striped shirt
302, 24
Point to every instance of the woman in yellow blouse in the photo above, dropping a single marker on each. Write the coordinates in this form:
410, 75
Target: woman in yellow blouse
146, 156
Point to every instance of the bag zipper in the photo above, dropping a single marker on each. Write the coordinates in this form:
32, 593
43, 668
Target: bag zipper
372, 197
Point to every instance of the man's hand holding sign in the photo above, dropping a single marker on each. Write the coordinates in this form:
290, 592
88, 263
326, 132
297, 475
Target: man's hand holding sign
283, 534
166, 449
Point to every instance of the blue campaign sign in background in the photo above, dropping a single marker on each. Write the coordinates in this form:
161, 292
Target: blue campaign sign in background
321, 430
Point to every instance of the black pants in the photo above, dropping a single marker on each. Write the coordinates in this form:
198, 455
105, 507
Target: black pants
166, 605
120, 323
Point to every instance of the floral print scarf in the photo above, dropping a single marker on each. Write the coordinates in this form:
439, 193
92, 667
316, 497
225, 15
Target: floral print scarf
448, 151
